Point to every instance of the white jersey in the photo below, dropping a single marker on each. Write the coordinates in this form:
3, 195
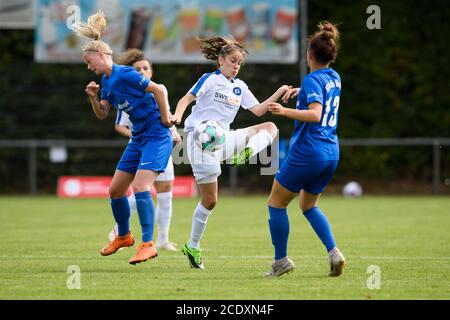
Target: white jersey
218, 99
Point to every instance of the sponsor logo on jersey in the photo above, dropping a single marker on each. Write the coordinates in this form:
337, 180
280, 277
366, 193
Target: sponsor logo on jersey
125, 106
332, 84
223, 98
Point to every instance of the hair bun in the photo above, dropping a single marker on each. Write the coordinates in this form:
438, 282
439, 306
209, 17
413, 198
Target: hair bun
324, 43
327, 27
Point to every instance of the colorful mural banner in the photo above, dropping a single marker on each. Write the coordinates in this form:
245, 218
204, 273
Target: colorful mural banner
167, 30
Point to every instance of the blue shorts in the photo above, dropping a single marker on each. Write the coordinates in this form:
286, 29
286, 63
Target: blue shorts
146, 155
313, 177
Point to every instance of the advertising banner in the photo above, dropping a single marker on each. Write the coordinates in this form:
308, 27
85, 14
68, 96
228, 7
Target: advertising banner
98, 187
167, 30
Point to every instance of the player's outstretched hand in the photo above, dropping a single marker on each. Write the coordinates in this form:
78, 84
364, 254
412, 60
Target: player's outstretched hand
277, 109
167, 120
282, 91
291, 93
92, 89
176, 119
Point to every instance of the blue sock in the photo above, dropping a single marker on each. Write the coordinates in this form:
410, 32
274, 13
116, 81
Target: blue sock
146, 212
121, 212
321, 226
279, 230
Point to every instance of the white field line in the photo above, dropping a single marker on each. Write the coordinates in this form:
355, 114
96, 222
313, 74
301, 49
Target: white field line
347, 257
256, 257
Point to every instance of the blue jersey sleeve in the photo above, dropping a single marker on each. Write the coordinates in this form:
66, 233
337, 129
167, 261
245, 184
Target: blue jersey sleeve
104, 90
103, 94
134, 79
313, 90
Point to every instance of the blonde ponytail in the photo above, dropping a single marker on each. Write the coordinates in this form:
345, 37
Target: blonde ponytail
93, 29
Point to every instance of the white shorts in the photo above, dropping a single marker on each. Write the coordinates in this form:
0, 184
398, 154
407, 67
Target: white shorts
206, 164
168, 174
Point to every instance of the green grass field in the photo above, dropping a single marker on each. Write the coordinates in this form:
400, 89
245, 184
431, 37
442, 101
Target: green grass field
407, 238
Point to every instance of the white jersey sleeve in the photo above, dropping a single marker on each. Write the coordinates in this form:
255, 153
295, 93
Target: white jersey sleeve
248, 99
202, 86
122, 119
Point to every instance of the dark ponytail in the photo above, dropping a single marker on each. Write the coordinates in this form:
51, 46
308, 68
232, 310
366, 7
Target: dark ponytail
213, 48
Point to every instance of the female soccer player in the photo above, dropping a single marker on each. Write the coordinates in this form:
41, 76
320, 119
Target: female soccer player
218, 97
147, 154
313, 153
164, 182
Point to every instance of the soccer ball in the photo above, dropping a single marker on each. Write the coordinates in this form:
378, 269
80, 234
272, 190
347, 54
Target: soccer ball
352, 189
209, 135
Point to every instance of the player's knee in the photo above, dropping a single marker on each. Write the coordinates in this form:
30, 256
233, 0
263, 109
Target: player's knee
271, 128
140, 187
209, 203
164, 187
305, 207
114, 193
277, 203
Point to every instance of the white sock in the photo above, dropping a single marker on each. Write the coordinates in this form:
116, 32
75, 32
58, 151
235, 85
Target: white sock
199, 220
334, 253
260, 141
163, 215
132, 202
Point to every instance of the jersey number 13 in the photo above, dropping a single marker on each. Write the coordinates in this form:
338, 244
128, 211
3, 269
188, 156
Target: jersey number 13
331, 121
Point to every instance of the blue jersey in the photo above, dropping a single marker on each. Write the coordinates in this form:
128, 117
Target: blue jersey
125, 90
317, 141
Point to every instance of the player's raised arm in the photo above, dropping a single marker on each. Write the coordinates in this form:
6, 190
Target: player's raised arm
313, 114
262, 108
182, 105
314, 102
100, 107
161, 101
291, 93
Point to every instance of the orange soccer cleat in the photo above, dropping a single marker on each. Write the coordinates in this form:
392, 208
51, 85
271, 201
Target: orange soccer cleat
145, 251
117, 243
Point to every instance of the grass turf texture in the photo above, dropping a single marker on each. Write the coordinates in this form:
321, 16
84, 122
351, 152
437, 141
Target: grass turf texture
407, 238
